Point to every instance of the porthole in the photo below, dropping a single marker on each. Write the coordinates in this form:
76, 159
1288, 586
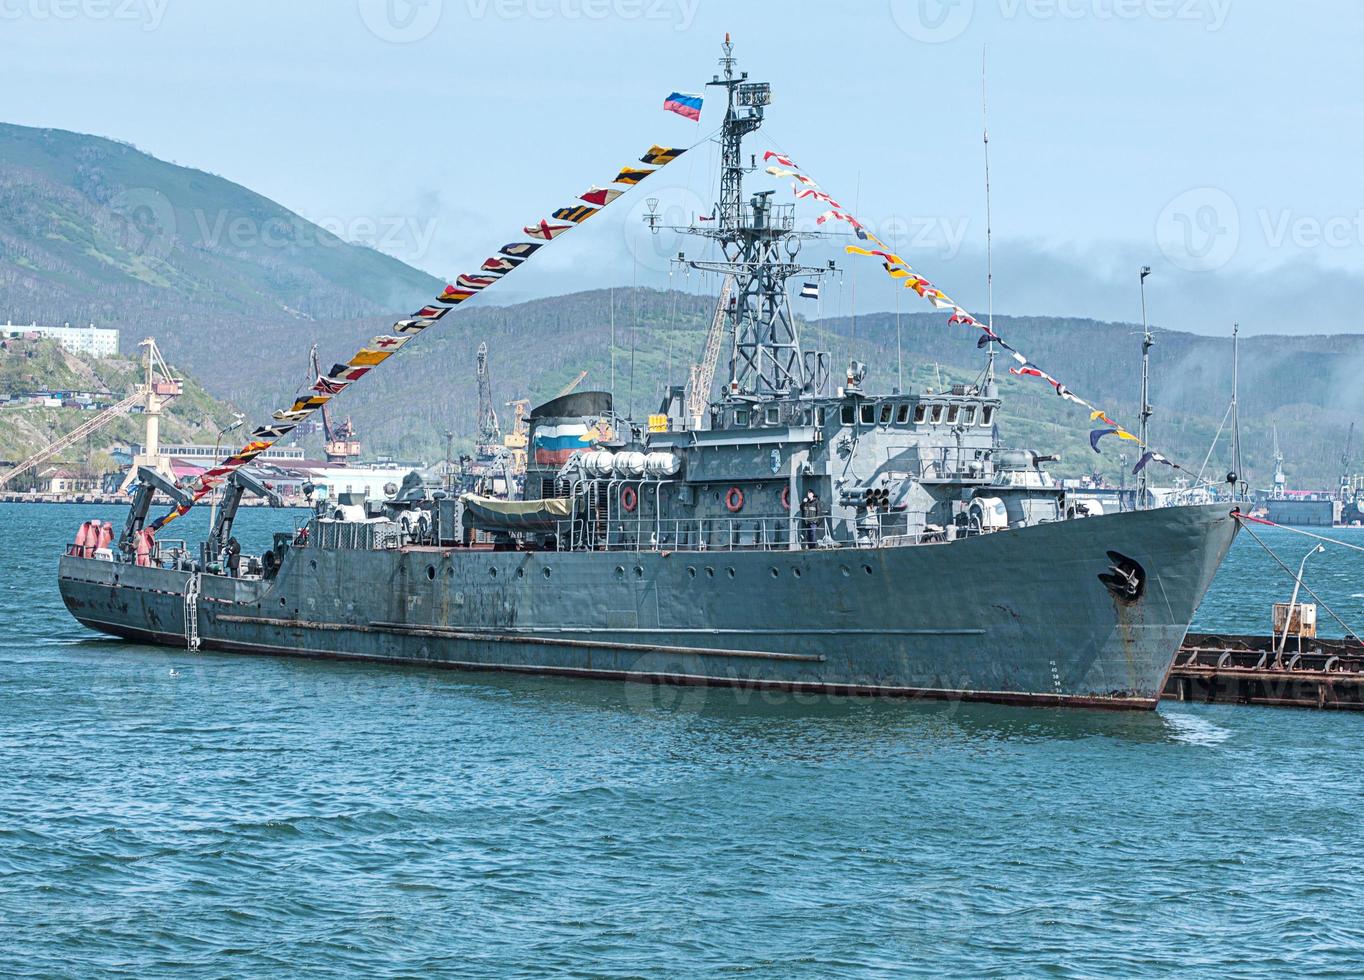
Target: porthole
867, 569
844, 570
312, 563
795, 572
431, 572
520, 573
729, 572
546, 572
710, 573
283, 601
620, 571
492, 571
775, 573
639, 571
691, 571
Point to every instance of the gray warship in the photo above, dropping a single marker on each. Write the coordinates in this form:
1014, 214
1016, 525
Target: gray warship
791, 530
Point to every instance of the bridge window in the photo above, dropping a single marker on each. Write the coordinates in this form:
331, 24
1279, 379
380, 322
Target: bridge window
987, 415
741, 416
952, 415
773, 415
848, 417
936, 414
819, 417
920, 413
886, 409
902, 415
970, 417
868, 414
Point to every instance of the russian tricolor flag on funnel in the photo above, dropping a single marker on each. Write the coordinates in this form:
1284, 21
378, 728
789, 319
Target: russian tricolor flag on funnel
684, 104
554, 444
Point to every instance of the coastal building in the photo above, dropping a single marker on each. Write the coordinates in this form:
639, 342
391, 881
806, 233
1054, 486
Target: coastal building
58, 480
92, 340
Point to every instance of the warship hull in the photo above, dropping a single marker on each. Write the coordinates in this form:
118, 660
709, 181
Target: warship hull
1020, 616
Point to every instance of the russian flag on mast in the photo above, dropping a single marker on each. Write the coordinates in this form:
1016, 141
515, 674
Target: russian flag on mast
684, 104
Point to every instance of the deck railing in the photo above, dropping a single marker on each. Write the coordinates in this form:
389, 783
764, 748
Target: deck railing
874, 530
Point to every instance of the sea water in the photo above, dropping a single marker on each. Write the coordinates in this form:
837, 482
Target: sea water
229, 815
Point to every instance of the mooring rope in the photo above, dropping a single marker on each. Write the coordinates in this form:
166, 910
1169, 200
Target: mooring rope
1349, 633
1298, 530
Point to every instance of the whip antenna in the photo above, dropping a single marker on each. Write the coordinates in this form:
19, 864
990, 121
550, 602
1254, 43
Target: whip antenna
989, 244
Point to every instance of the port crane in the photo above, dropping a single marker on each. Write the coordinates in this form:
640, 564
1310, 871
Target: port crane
160, 387
489, 431
572, 386
339, 442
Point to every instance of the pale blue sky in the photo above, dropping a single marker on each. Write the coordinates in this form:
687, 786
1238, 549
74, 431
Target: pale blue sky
1123, 131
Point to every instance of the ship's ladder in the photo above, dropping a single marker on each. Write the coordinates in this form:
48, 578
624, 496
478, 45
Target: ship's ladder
192, 612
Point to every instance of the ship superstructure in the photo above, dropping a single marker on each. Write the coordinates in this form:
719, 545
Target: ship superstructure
802, 531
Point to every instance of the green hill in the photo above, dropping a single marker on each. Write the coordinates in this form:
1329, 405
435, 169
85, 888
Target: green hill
93, 230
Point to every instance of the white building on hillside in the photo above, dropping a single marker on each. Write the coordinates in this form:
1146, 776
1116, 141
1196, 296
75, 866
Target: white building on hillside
92, 340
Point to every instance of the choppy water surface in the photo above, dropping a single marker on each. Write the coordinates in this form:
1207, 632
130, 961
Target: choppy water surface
232, 815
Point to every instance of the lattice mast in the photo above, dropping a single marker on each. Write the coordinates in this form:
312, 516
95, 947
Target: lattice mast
759, 243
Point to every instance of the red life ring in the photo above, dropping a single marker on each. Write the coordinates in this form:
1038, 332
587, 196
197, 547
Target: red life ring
629, 499
734, 500
786, 497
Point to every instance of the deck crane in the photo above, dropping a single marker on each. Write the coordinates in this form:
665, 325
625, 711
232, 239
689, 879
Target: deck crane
339, 443
703, 374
